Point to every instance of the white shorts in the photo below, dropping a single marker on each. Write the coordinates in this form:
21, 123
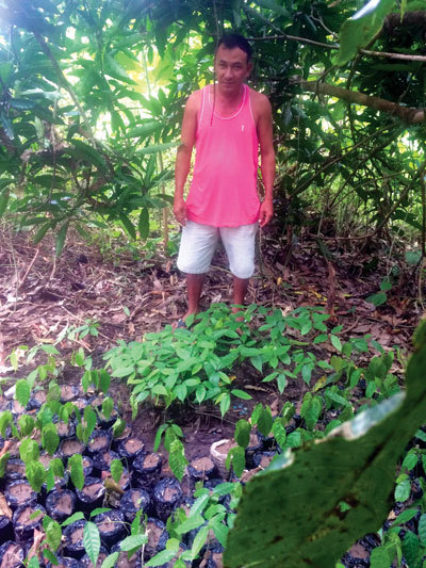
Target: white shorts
198, 244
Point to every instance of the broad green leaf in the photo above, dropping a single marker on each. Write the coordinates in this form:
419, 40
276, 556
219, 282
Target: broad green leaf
402, 490
110, 560
242, 433
128, 226
116, 470
422, 529
92, 541
199, 541
75, 464
236, 457
53, 532
60, 239
241, 394
335, 341
359, 30
177, 460
29, 450
118, 427
143, 224
380, 558
161, 558
133, 542
49, 438
26, 424
33, 563
73, 519
289, 516
22, 392
378, 299
265, 421
107, 407
193, 522
88, 153
36, 474
410, 547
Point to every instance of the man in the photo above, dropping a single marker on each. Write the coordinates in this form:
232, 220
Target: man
227, 122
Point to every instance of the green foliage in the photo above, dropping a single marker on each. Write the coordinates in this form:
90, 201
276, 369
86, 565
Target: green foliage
361, 28
173, 444
92, 541
353, 466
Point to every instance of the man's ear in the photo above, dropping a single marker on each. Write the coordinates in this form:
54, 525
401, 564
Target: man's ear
249, 68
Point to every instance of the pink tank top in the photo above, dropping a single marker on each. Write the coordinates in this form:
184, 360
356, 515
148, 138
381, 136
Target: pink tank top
223, 191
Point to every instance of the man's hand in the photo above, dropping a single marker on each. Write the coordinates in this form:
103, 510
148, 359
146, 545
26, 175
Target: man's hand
266, 212
179, 209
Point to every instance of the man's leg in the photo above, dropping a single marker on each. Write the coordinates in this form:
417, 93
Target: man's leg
195, 253
239, 243
194, 286
240, 291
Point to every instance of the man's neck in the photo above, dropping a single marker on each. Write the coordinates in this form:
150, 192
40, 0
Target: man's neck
228, 98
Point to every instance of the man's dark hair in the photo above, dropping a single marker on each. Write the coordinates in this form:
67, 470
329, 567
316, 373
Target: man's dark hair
231, 40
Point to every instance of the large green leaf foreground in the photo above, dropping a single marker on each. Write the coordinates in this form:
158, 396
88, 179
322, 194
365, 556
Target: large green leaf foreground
316, 502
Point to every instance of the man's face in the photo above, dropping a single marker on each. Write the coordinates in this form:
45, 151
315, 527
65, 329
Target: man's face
231, 68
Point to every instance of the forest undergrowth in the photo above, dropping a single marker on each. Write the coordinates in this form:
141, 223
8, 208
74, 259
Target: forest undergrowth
323, 338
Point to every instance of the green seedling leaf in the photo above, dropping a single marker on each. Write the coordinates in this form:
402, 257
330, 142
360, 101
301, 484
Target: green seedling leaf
377, 299
236, 456
116, 470
177, 460
161, 558
75, 464
336, 343
380, 558
118, 427
29, 450
422, 529
111, 560
241, 394
53, 532
92, 541
33, 563
22, 392
265, 421
290, 514
74, 518
410, 548
6, 418
104, 381
49, 438
99, 511
242, 433
107, 407
143, 224
26, 424
3, 463
402, 490
133, 542
199, 541
193, 522
36, 474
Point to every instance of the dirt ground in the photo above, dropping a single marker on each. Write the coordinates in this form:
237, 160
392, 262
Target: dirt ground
126, 295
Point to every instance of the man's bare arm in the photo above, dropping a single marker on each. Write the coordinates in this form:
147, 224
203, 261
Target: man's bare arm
183, 157
267, 155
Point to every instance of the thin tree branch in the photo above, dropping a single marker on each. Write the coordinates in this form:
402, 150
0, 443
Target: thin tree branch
409, 115
390, 55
